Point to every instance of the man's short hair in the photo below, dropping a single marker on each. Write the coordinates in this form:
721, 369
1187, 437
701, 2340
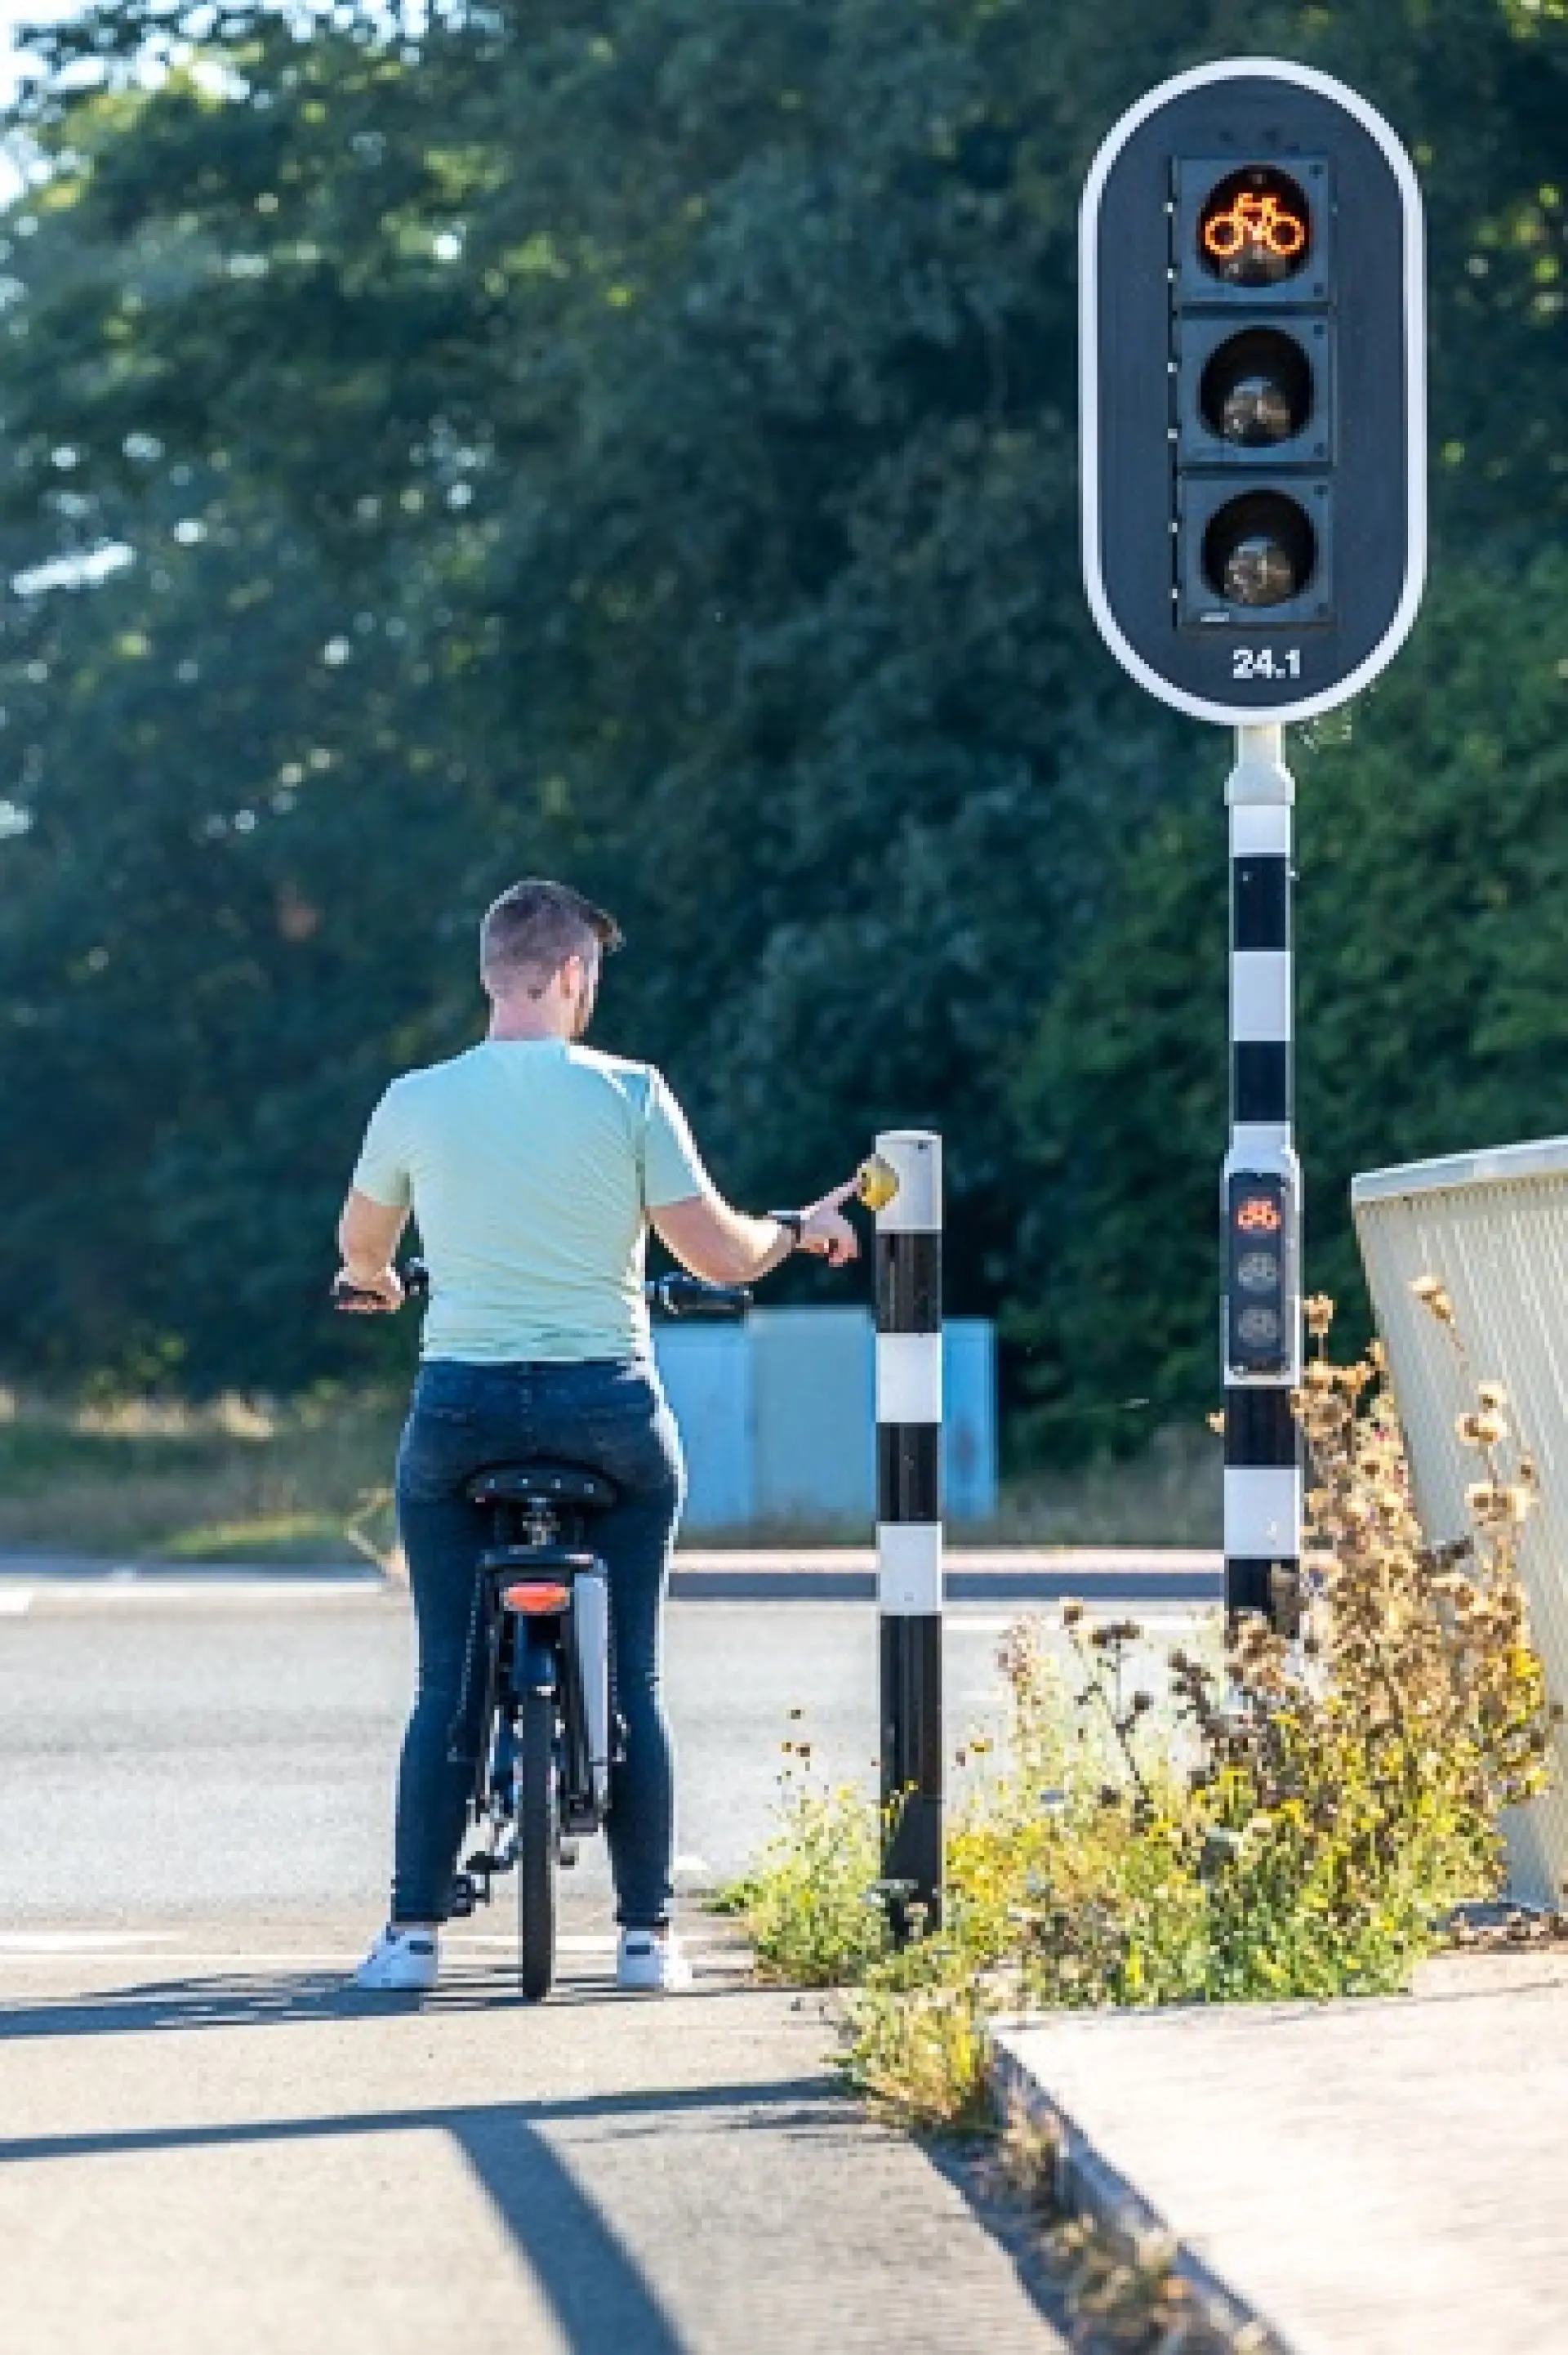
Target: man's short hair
530, 932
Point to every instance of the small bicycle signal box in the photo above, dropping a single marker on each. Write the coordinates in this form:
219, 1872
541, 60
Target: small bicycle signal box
1261, 1314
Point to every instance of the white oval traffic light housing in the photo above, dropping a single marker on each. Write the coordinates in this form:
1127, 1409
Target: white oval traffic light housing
1253, 392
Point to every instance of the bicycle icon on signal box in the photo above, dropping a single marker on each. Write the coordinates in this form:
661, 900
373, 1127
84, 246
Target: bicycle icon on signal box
1255, 224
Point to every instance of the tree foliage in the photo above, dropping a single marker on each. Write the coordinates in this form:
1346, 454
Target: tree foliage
639, 442
1433, 859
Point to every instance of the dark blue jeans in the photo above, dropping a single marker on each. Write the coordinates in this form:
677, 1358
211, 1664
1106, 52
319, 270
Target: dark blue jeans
612, 1418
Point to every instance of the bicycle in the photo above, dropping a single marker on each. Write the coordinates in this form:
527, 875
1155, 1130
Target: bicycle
549, 1733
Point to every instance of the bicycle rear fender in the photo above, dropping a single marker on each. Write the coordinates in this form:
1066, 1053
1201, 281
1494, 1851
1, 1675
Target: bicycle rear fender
536, 1661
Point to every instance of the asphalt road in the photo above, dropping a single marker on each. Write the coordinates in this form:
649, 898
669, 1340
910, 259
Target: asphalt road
205, 2141
232, 1750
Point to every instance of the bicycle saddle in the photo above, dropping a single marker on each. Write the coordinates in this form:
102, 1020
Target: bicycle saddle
559, 1485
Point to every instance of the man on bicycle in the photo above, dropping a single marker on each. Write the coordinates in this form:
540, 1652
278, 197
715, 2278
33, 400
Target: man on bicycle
534, 1166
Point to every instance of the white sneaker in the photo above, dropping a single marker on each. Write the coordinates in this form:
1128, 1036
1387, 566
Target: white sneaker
401, 1961
652, 1962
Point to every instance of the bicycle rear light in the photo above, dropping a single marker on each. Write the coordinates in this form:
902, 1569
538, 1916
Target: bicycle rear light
537, 1598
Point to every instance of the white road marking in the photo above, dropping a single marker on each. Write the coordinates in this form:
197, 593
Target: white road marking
596, 1942
166, 1962
73, 1597
1158, 1619
87, 1946
74, 1942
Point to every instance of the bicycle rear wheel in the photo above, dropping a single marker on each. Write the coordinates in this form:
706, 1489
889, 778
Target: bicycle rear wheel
538, 1827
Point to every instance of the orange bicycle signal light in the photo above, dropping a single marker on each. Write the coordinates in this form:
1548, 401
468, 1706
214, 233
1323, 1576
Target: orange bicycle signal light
1255, 220
1258, 1214
1256, 226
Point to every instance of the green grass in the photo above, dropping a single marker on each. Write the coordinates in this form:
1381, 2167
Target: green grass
271, 1536
1169, 1494
230, 1481
235, 1480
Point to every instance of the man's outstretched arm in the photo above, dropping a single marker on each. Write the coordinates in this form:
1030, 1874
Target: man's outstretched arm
723, 1245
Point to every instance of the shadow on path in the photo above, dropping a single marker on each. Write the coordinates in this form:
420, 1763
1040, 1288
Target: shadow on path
599, 2293
285, 1999
972, 2165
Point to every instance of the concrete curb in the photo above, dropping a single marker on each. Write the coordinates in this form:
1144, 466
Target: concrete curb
971, 1573
762, 1574
1088, 2186
1026, 1584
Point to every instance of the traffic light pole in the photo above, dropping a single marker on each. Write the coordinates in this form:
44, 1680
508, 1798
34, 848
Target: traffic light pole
1262, 1192
1253, 418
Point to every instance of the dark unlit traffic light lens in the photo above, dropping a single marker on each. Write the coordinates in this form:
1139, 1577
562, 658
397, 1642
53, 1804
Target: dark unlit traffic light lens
1259, 571
1256, 228
1257, 389
1259, 549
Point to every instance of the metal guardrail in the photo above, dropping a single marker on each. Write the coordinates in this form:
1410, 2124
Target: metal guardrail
1493, 1228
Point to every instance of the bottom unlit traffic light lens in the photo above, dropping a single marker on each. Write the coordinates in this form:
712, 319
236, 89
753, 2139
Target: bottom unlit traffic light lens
1259, 549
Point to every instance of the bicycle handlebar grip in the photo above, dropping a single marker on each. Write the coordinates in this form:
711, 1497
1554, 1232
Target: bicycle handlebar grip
341, 1294
416, 1278
688, 1295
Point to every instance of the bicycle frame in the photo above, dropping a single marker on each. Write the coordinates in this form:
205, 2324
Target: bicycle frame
553, 1639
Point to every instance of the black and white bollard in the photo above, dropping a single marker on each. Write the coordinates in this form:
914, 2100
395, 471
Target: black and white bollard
1262, 1198
908, 1513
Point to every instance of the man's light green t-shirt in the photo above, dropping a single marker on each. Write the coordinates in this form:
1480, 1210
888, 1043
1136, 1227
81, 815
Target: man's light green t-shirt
531, 1165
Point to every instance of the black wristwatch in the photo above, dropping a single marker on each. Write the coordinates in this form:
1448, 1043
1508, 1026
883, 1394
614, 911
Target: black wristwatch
795, 1221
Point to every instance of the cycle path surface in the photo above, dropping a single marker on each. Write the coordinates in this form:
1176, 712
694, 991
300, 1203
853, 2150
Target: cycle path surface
205, 2142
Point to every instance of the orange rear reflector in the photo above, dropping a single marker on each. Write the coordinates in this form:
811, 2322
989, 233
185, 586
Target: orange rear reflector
537, 1597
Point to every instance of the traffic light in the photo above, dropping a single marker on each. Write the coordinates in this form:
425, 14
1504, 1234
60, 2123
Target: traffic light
1253, 392
1262, 1288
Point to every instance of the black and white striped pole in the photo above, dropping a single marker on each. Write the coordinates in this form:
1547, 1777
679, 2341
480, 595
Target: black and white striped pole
1261, 1192
908, 1516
